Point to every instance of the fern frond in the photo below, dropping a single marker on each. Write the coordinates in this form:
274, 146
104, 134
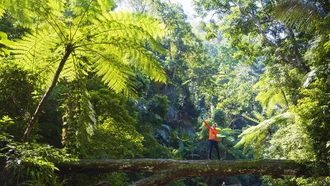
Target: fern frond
118, 41
264, 97
251, 119
269, 95
70, 70
2, 10
255, 136
38, 52
5, 42
259, 116
29, 12
135, 38
87, 115
115, 74
80, 116
105, 5
18, 10
76, 67
276, 99
80, 13
93, 7
144, 29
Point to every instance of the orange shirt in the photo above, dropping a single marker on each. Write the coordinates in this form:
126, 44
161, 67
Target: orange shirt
212, 132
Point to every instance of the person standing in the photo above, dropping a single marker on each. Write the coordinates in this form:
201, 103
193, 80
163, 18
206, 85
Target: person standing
213, 139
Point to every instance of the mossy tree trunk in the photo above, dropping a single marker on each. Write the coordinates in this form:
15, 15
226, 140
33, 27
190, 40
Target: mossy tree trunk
166, 171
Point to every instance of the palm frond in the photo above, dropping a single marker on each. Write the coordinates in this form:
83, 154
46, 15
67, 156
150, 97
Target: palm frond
310, 76
164, 132
302, 14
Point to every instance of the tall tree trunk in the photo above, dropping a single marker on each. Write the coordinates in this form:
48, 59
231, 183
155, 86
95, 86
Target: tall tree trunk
30, 125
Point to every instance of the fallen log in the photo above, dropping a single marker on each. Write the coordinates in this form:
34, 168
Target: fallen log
166, 170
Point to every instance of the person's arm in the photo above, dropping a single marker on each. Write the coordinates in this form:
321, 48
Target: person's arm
205, 122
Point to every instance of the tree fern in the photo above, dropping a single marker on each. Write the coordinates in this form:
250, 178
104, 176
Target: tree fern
269, 95
255, 136
85, 34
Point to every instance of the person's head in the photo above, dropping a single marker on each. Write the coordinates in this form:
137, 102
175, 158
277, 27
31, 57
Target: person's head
214, 125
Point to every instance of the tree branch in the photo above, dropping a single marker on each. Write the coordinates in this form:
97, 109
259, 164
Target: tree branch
263, 33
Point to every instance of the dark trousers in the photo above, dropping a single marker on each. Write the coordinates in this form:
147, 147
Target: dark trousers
212, 144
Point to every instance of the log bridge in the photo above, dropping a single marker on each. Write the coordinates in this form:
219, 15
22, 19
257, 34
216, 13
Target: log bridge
167, 170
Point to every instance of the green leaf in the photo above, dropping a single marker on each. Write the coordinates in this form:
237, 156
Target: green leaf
4, 40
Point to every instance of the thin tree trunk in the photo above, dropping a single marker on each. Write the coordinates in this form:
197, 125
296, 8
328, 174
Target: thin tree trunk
297, 54
286, 100
30, 125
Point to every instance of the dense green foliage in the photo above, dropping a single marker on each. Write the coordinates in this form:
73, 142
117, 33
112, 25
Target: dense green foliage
81, 79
